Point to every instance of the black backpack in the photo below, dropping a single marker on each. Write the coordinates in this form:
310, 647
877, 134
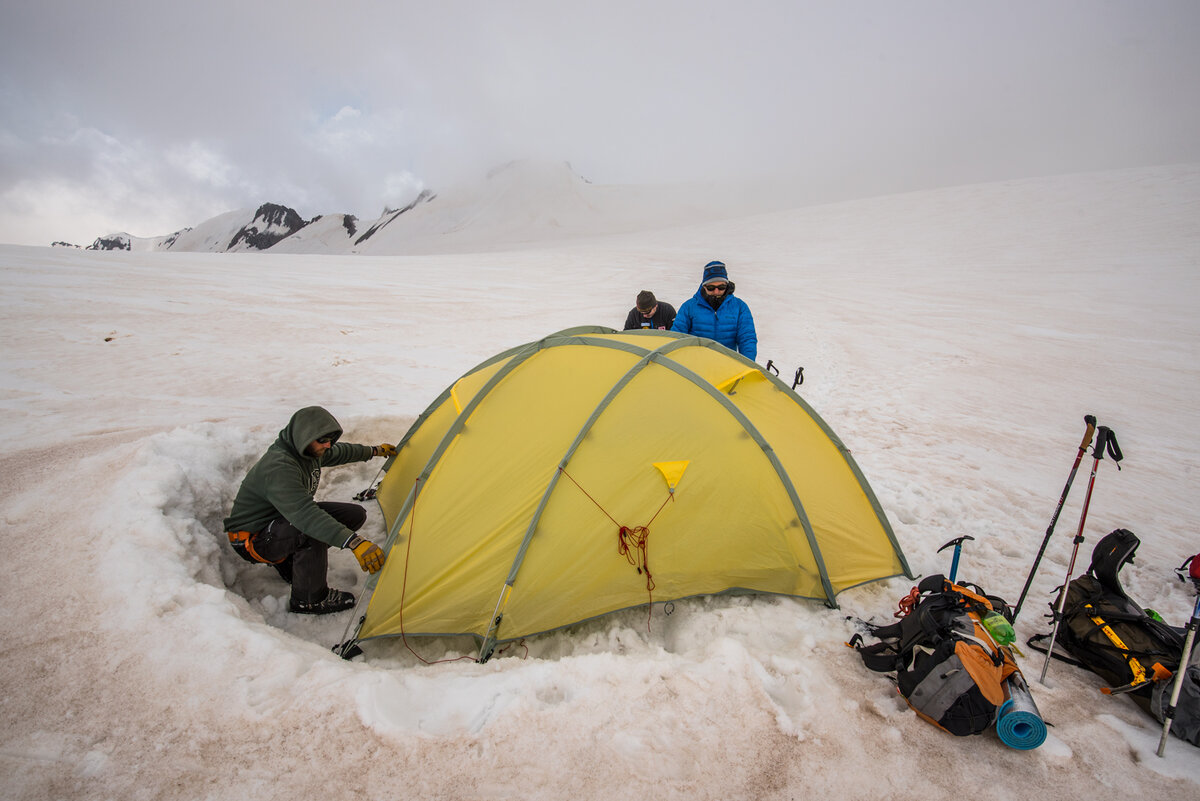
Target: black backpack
948, 668
1106, 632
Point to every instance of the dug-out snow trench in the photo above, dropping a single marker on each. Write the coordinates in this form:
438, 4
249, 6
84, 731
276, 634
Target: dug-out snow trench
178, 486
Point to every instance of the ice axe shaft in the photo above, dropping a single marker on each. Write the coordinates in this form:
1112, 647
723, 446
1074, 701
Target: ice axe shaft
1090, 421
957, 543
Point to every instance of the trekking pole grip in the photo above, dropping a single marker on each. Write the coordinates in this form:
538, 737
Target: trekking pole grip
1090, 420
1102, 436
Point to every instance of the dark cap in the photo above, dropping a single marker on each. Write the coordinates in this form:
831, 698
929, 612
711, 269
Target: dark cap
646, 301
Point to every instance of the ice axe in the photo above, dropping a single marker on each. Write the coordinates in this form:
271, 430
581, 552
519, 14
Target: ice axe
957, 543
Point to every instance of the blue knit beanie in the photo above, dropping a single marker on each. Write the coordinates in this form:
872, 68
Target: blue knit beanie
713, 271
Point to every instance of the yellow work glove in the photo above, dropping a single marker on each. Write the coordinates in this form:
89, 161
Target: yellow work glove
369, 555
384, 450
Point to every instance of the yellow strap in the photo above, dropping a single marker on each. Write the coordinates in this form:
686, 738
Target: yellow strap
1139, 672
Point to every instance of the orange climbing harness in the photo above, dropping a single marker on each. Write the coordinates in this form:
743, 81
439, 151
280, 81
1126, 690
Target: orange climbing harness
243, 543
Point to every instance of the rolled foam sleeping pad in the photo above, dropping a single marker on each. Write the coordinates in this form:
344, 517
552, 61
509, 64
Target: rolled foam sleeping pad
1018, 722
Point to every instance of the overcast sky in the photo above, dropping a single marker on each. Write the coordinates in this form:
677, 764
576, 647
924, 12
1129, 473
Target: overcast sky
149, 116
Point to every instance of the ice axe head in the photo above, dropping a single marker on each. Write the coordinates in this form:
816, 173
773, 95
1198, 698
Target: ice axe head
957, 543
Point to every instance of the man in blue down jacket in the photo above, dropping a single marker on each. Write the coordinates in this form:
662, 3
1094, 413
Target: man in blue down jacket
275, 519
714, 312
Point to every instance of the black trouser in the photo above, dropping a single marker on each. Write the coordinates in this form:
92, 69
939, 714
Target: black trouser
306, 557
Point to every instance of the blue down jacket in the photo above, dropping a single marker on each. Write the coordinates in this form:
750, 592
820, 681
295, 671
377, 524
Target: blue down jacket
731, 323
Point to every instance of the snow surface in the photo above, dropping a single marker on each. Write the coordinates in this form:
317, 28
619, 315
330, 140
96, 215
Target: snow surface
953, 338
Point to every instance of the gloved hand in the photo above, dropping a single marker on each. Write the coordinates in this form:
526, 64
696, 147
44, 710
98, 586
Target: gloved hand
384, 450
369, 555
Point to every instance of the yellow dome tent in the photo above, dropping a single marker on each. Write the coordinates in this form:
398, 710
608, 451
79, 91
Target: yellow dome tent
594, 471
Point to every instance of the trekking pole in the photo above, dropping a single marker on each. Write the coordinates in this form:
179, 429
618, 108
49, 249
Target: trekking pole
1090, 420
957, 543
1169, 712
1102, 436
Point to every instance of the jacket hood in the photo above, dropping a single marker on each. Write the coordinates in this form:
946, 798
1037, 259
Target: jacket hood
308, 424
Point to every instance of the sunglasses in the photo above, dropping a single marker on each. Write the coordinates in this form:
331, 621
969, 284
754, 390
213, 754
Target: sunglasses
326, 440
716, 287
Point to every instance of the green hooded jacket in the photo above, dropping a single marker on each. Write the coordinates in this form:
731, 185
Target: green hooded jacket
283, 482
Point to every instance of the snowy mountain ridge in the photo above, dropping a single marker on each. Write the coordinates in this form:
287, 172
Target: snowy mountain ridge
517, 203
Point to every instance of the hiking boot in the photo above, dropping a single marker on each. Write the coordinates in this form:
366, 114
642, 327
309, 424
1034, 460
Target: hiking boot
334, 601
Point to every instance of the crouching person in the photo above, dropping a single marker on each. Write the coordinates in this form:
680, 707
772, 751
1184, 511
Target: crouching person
276, 520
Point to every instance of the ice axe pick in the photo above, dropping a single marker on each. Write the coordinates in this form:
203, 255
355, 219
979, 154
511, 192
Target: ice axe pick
957, 543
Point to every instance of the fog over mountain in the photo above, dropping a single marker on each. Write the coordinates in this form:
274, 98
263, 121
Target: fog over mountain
516, 203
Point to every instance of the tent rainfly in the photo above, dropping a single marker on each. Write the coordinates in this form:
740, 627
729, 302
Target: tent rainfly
594, 471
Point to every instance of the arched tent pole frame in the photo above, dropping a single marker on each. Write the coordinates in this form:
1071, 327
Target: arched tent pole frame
790, 392
575, 336
529, 346
847, 457
656, 356
516, 356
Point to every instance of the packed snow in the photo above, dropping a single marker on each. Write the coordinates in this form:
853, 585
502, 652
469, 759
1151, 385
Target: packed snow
954, 339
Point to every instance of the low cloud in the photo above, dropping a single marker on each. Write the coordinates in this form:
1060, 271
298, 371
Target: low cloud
129, 117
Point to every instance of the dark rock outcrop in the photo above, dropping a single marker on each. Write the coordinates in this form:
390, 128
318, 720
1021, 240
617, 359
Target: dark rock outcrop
115, 242
271, 224
391, 214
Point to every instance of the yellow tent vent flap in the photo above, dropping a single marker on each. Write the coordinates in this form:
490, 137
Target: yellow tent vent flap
672, 472
730, 384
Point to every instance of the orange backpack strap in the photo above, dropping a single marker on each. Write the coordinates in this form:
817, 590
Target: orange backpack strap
243, 543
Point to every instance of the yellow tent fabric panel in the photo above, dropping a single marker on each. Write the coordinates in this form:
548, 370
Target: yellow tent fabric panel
517, 482
854, 545
706, 540
499, 464
417, 447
